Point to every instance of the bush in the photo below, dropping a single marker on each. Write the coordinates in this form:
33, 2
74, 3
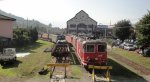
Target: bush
24, 36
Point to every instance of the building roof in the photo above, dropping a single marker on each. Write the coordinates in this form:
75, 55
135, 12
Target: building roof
3, 17
80, 17
2, 37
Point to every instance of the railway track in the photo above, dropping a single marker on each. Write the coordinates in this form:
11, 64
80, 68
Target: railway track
98, 73
59, 63
58, 71
61, 60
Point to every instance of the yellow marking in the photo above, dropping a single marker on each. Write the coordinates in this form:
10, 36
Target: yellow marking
99, 67
93, 75
108, 76
58, 64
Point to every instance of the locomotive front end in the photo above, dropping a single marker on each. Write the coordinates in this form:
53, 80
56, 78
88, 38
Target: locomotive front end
95, 52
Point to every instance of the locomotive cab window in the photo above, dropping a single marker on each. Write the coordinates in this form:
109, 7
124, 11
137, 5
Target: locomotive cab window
89, 48
101, 48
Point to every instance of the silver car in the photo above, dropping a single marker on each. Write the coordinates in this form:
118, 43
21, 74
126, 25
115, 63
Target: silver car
129, 47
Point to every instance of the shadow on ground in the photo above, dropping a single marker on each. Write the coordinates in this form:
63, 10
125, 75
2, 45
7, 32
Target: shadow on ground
29, 48
119, 73
11, 64
74, 58
119, 70
72, 77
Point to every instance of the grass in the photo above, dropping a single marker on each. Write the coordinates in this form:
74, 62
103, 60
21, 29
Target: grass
76, 71
74, 58
75, 63
120, 70
36, 60
31, 64
133, 56
7, 72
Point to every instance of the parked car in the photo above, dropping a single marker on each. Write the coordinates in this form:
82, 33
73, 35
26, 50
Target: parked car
146, 52
129, 47
117, 42
122, 45
8, 55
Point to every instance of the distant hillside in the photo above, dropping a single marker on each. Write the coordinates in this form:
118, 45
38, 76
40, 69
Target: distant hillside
25, 23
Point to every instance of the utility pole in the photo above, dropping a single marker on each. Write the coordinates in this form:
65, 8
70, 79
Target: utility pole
105, 33
27, 22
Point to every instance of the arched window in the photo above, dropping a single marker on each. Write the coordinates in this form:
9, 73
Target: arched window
81, 25
72, 25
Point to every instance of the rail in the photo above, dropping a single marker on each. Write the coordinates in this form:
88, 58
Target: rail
61, 55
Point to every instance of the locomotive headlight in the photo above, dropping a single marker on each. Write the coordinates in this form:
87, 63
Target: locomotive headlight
96, 58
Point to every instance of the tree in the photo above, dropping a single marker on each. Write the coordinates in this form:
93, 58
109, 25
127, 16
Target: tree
21, 36
143, 30
24, 36
122, 29
33, 34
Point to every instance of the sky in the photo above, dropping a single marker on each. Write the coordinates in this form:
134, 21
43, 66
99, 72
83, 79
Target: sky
58, 12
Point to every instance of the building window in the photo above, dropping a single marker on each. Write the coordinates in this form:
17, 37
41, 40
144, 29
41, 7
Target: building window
90, 26
72, 25
81, 25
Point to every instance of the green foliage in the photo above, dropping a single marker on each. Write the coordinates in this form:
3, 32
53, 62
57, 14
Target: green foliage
122, 29
34, 34
143, 30
23, 36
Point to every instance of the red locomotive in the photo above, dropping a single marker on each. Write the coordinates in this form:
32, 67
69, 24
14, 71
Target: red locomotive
89, 51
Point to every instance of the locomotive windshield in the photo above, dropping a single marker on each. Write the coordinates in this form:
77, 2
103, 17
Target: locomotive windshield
61, 37
101, 48
89, 48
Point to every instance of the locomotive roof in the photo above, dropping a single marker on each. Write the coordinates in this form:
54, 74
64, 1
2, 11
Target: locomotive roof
85, 39
97, 41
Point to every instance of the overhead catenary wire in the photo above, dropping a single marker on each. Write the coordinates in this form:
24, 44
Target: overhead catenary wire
131, 26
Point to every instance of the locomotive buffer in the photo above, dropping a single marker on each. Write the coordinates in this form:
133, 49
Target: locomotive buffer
60, 62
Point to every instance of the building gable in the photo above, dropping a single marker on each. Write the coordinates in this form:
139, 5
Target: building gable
81, 23
82, 17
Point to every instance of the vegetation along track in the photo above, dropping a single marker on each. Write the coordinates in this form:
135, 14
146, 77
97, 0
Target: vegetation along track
132, 64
